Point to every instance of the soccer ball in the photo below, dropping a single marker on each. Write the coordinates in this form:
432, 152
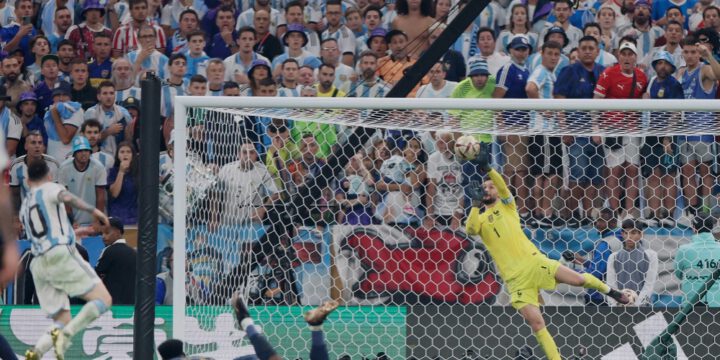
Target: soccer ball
467, 147
632, 295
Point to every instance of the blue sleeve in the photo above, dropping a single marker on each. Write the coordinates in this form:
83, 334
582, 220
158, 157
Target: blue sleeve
498, 77
313, 62
563, 83
7, 33
658, 10
159, 291
598, 265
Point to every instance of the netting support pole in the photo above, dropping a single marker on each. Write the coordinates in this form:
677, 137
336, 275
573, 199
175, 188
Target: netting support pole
438, 48
179, 216
148, 192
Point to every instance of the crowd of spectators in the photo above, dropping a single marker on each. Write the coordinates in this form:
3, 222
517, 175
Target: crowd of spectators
69, 95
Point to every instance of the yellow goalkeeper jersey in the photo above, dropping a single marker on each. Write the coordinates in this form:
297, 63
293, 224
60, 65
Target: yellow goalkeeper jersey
501, 232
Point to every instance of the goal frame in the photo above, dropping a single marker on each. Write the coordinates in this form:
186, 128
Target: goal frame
183, 103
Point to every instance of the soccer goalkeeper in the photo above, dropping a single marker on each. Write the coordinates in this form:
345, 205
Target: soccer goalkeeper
521, 265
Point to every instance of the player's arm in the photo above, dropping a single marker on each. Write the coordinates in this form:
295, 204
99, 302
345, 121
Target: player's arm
67, 198
501, 186
712, 72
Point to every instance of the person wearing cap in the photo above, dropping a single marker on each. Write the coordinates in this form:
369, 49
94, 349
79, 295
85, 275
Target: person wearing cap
699, 81
642, 28
268, 44
17, 36
147, 58
555, 34
259, 70
116, 264
376, 42
518, 24
674, 34
595, 30
62, 121
510, 83
26, 108
126, 37
622, 154
563, 10
295, 39
12, 125
238, 64
634, 266
85, 178
84, 34
338, 31
372, 19
695, 262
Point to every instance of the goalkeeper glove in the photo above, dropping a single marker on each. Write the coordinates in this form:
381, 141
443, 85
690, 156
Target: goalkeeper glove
476, 191
482, 160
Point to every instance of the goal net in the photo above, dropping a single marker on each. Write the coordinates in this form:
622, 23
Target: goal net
296, 201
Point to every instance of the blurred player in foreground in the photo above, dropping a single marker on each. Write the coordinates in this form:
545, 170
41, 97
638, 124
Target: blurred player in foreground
8, 244
521, 265
58, 270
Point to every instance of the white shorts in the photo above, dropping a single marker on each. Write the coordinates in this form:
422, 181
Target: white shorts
59, 273
630, 153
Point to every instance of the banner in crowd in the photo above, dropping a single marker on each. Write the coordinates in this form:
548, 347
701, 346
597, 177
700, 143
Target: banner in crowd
386, 265
498, 332
351, 330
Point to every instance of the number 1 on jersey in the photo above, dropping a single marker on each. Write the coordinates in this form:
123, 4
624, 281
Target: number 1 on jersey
496, 232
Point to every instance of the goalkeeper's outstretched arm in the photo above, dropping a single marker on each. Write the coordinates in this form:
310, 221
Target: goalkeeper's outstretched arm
500, 185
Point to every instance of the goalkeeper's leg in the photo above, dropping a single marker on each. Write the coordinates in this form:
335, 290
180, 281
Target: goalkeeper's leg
571, 277
315, 319
534, 318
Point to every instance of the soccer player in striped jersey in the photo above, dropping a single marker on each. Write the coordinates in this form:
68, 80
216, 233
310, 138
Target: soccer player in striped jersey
520, 264
58, 270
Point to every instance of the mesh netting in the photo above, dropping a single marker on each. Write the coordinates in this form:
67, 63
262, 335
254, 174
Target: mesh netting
293, 207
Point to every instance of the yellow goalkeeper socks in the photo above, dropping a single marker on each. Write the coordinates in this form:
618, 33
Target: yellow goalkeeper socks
547, 344
591, 282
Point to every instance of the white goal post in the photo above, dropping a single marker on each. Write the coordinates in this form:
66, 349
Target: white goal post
496, 117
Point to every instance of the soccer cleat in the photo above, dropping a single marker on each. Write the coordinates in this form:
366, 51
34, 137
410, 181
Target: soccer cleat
61, 342
31, 354
619, 296
318, 315
238, 304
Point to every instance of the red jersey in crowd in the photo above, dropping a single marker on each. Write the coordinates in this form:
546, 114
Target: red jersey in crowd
614, 84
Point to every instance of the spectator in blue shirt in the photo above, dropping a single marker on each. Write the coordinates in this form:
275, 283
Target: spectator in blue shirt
511, 80
223, 44
27, 110
577, 81
18, 35
122, 184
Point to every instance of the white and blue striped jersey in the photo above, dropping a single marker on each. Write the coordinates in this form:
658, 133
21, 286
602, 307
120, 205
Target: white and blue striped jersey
246, 19
156, 62
344, 37
645, 40
107, 159
122, 95
289, 92
168, 92
544, 79
504, 39
362, 89
7, 15
83, 183
71, 113
493, 16
234, 65
11, 125
535, 61
45, 219
19, 176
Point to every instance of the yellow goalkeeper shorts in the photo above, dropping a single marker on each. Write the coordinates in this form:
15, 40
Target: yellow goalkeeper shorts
539, 273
